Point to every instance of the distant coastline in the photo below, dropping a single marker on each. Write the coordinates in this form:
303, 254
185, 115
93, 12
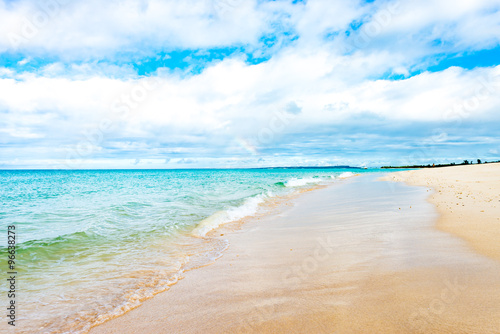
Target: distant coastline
479, 162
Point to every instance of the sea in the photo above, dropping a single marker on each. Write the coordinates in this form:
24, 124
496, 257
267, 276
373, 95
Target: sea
94, 244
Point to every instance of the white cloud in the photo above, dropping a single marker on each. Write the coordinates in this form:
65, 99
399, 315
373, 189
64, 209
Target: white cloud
325, 78
22, 133
23, 62
94, 29
228, 97
6, 72
78, 28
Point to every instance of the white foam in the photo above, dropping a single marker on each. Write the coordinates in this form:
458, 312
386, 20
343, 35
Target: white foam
251, 205
248, 208
301, 182
346, 175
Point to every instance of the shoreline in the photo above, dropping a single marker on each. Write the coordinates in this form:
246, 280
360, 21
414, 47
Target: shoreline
218, 234
108, 254
467, 200
352, 257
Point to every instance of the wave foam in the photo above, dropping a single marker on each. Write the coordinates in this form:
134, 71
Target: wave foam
302, 182
346, 175
248, 208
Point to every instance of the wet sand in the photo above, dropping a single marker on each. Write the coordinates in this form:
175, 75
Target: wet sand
360, 256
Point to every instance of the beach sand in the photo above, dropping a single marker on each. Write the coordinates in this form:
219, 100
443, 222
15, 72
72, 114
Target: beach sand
468, 201
360, 256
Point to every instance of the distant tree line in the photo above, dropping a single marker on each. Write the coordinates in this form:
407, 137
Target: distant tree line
465, 162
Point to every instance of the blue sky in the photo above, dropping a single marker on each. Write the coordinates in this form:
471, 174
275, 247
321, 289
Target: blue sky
242, 83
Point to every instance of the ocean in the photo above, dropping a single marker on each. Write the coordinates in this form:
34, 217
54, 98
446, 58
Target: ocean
93, 244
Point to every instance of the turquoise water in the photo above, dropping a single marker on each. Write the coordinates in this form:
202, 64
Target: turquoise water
92, 245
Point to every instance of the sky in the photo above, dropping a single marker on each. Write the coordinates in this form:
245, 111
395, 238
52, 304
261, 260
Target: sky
247, 83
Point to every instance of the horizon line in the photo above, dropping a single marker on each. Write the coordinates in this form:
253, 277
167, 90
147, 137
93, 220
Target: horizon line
199, 168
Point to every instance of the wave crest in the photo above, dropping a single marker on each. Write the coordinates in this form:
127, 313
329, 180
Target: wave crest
248, 208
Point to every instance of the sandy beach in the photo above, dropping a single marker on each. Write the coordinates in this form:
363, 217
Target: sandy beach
468, 201
360, 256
